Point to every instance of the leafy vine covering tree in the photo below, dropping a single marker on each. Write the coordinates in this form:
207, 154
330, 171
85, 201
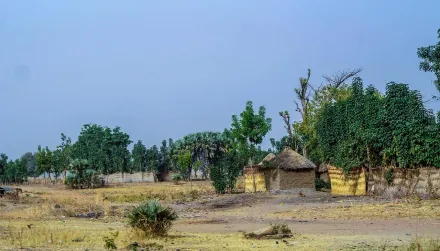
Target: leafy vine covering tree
369, 129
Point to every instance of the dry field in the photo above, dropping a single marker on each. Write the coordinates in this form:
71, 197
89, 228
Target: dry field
50, 217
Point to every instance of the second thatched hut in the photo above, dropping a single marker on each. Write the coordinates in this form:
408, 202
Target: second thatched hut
287, 170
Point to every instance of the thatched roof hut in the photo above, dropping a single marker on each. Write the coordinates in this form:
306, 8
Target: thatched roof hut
322, 172
285, 171
268, 158
288, 159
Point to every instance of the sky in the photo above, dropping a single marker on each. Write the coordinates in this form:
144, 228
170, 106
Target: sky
161, 69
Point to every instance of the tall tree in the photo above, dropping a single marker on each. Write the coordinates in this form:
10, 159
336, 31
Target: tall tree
249, 129
44, 160
139, 155
64, 154
430, 56
3, 163
164, 160
30, 163
153, 161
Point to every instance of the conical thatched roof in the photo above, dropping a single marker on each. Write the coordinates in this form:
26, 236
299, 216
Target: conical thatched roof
268, 158
323, 168
291, 160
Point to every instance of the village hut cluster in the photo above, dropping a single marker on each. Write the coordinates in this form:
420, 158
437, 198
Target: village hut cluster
285, 171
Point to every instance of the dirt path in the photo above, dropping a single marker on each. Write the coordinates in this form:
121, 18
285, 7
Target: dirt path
237, 213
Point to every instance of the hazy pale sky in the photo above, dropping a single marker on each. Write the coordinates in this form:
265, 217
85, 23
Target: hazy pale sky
162, 69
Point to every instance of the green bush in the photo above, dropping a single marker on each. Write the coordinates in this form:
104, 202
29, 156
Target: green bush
87, 179
321, 184
389, 177
177, 177
225, 171
152, 218
110, 241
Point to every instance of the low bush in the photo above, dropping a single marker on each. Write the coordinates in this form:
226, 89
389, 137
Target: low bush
87, 179
321, 184
152, 218
176, 178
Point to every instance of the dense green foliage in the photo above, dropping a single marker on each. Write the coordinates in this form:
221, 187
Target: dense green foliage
226, 170
249, 129
105, 149
81, 176
152, 218
368, 129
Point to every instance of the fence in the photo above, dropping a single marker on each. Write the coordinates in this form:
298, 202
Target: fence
399, 182
353, 183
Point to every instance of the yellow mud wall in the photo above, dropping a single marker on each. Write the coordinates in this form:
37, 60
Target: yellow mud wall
353, 183
259, 182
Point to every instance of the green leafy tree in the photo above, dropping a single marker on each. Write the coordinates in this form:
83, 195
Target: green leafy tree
30, 163
153, 161
430, 56
3, 163
105, 149
139, 156
249, 130
44, 160
81, 176
226, 170
184, 161
64, 154
15, 171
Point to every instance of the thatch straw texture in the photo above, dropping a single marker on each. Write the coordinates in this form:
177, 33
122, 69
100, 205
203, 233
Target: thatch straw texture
268, 158
291, 160
350, 184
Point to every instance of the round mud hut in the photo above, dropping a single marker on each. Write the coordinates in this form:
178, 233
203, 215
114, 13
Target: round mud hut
287, 170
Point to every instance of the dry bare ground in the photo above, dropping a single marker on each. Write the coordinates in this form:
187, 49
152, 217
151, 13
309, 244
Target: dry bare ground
54, 218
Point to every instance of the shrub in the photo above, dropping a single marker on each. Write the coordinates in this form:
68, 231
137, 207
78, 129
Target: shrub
88, 179
110, 241
152, 218
225, 171
321, 184
176, 178
389, 177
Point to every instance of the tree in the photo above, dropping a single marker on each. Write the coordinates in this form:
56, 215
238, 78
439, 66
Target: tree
204, 146
81, 176
164, 159
139, 155
303, 133
44, 160
430, 56
336, 80
153, 161
184, 161
226, 170
16, 171
3, 163
105, 149
369, 129
64, 154
58, 163
30, 163
249, 130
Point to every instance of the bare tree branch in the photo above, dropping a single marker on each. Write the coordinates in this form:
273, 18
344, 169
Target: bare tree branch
340, 77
